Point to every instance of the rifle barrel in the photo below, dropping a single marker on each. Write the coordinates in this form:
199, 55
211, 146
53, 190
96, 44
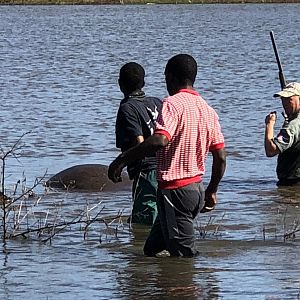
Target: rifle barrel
281, 76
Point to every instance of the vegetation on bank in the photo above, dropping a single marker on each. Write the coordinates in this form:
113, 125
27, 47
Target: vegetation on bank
28, 215
91, 2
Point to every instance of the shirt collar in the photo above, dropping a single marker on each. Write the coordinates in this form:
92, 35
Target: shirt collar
137, 94
193, 92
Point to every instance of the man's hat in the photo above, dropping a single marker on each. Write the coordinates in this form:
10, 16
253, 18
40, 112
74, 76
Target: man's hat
291, 89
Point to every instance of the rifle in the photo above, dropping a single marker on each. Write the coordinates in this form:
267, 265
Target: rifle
280, 71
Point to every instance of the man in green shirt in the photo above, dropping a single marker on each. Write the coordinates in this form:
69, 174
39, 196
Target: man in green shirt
287, 143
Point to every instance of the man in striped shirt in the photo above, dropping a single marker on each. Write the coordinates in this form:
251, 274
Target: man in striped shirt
187, 129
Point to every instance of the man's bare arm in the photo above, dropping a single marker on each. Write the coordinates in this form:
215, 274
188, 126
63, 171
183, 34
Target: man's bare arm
218, 169
270, 147
146, 148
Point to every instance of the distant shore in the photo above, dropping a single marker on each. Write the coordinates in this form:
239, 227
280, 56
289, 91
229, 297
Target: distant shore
128, 2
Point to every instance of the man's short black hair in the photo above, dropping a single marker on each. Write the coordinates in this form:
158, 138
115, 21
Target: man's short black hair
132, 75
183, 67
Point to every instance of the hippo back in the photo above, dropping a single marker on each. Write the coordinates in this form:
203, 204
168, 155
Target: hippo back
90, 177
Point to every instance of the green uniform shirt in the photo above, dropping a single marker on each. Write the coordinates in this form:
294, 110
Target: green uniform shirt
288, 143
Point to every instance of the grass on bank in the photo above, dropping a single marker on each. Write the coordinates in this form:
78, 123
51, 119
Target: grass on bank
125, 2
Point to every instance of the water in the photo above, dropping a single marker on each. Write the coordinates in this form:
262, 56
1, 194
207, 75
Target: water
59, 72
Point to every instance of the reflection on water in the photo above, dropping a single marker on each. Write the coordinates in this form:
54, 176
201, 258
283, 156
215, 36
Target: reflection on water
165, 278
59, 82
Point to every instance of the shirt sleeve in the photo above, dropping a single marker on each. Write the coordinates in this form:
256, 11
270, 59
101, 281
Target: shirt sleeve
284, 139
128, 127
217, 138
167, 120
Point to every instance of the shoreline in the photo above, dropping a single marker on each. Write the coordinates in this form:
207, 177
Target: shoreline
136, 2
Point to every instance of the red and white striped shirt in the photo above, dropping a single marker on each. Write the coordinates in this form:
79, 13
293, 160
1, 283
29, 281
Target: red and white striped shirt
193, 129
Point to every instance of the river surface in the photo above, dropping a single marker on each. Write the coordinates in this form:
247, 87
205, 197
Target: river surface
58, 81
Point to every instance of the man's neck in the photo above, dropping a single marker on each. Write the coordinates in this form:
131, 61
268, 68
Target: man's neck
182, 87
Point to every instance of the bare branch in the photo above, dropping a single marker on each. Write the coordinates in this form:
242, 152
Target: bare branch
16, 146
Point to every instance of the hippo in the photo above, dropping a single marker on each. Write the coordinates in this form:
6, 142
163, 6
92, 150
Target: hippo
87, 177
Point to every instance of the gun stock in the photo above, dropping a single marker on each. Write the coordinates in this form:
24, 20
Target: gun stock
280, 71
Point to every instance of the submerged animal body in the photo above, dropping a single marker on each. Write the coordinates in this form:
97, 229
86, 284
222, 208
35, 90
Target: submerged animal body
89, 177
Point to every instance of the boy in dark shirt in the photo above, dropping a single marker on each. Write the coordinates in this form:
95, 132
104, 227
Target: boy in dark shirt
135, 122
